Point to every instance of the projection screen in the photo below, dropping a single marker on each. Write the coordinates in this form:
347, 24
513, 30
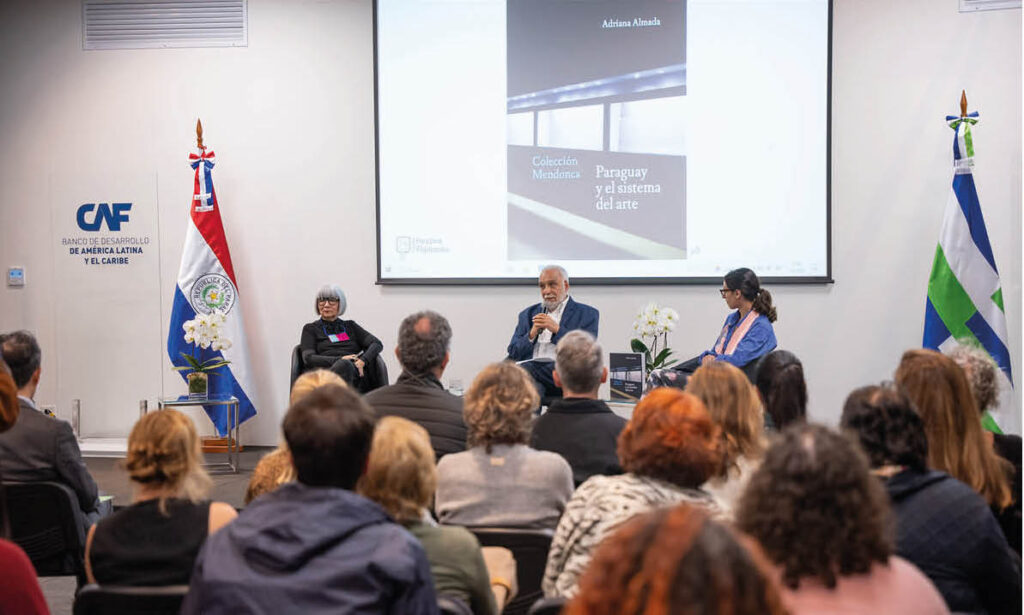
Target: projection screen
631, 141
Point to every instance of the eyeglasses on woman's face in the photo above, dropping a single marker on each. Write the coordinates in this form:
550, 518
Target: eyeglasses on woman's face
725, 291
327, 301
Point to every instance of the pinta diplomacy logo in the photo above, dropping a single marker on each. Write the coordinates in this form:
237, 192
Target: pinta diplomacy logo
212, 293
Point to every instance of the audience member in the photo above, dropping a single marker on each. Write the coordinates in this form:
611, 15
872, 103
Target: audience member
39, 448
417, 395
500, 481
733, 404
942, 526
780, 383
155, 541
823, 520
314, 546
956, 444
19, 588
668, 450
676, 560
983, 378
275, 468
580, 427
401, 477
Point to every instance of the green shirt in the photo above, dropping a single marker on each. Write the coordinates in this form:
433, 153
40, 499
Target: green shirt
457, 564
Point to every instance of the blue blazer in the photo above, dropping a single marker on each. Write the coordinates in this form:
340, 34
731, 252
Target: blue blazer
574, 316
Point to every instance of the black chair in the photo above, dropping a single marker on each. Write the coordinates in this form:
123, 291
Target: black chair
548, 606
450, 605
47, 524
115, 600
377, 372
530, 548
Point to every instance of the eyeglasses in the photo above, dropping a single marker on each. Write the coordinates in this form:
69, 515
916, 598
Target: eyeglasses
722, 291
324, 301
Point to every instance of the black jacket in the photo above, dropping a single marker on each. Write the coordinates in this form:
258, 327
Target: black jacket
947, 530
423, 400
583, 431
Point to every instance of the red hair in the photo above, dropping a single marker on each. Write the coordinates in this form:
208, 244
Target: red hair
671, 437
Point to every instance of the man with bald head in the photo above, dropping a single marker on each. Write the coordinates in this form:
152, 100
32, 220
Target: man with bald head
418, 395
543, 324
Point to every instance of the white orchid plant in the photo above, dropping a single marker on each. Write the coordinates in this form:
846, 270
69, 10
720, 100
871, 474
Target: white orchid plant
204, 333
654, 322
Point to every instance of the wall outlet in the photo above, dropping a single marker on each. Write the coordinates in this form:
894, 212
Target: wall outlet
15, 276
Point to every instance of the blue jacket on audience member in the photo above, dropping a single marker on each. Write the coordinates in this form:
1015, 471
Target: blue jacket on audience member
575, 315
947, 530
304, 549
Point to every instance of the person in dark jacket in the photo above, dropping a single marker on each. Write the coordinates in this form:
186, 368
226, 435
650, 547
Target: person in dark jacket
942, 526
341, 346
314, 546
580, 427
417, 395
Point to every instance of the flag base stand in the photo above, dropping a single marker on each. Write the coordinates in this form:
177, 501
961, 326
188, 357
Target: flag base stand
215, 444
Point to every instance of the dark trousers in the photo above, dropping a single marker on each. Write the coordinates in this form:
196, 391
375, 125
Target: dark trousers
541, 372
348, 372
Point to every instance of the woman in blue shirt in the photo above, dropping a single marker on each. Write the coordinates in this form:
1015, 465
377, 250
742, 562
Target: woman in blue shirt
746, 336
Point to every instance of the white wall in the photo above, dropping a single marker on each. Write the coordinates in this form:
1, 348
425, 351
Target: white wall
291, 120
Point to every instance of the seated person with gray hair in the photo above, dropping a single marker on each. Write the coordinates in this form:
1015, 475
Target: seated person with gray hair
580, 427
542, 325
418, 395
341, 346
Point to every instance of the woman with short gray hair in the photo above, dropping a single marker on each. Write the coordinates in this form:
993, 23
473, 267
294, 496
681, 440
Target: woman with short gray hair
341, 346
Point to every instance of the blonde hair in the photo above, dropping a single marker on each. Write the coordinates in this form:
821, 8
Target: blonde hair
164, 452
311, 380
276, 468
400, 473
734, 405
499, 405
956, 444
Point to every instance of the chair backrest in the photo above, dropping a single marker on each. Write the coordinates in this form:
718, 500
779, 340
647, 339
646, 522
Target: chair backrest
47, 525
450, 605
548, 606
530, 548
114, 600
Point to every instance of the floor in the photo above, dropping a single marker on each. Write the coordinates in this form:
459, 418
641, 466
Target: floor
112, 480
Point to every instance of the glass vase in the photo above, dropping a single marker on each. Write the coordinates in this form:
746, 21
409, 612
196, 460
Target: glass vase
198, 385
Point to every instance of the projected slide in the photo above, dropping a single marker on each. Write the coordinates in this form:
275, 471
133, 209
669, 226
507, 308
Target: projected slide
582, 184
646, 140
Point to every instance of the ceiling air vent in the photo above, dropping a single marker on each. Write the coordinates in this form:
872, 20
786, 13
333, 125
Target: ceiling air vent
138, 24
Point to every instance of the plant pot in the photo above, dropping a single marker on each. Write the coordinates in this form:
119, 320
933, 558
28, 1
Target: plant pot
198, 385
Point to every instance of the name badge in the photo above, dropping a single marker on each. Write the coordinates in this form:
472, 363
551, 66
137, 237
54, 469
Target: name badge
335, 338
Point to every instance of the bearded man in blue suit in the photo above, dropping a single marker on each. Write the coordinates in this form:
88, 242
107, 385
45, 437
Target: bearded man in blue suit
541, 325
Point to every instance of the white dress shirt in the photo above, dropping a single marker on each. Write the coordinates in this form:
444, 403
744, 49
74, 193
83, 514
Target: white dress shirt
544, 349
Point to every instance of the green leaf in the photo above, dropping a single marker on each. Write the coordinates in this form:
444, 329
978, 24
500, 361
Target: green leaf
664, 354
638, 346
193, 363
214, 364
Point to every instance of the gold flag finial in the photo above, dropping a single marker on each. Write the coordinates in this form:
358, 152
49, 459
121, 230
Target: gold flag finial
199, 134
963, 103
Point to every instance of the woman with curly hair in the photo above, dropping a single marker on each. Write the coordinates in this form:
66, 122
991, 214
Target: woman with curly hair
677, 560
956, 442
823, 520
155, 540
500, 481
780, 383
942, 526
734, 405
668, 449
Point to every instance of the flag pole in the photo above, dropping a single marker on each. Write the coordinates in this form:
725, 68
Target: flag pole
963, 106
199, 132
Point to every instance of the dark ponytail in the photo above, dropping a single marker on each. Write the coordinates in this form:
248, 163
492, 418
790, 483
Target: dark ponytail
745, 281
780, 380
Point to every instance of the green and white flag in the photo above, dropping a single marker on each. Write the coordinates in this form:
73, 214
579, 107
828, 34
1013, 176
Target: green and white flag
965, 298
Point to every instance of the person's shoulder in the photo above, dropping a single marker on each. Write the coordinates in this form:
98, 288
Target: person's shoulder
582, 306
545, 459
907, 576
453, 461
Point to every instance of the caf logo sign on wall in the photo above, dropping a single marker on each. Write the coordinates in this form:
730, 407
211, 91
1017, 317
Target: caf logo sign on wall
212, 292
